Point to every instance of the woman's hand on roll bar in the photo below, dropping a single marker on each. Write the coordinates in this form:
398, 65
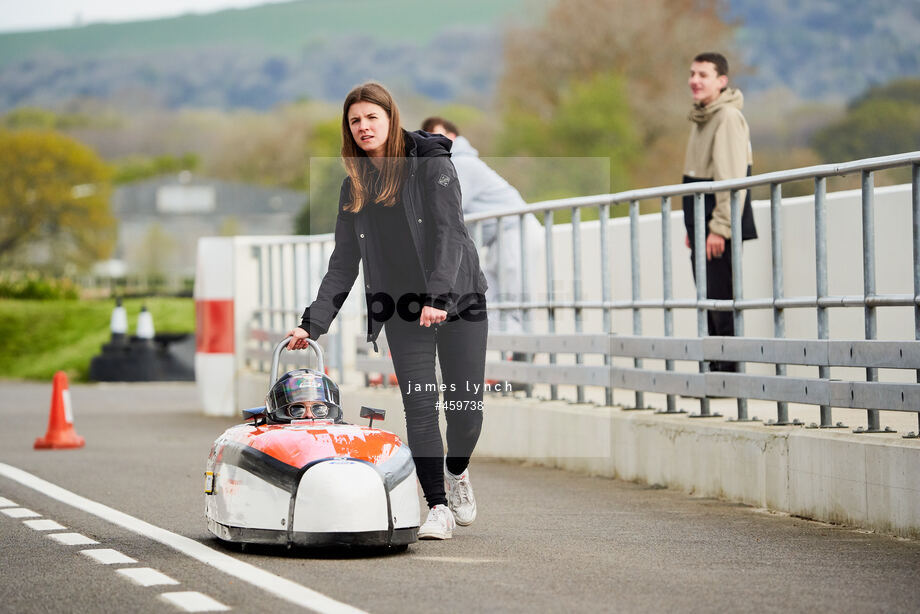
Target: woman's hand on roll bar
299, 339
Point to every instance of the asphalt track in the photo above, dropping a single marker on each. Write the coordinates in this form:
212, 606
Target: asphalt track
545, 540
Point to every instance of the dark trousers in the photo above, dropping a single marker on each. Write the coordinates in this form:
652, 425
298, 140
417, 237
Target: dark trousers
460, 345
718, 286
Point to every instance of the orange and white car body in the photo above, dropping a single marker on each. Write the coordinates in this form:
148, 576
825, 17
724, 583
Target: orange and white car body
311, 483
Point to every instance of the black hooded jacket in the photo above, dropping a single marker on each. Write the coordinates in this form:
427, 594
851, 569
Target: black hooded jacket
440, 241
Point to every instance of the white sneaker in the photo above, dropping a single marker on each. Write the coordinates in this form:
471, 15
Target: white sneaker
460, 497
439, 525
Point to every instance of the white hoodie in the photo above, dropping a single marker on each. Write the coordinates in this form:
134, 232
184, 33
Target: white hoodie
482, 189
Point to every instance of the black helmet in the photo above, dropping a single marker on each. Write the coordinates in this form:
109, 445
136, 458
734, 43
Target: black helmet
303, 394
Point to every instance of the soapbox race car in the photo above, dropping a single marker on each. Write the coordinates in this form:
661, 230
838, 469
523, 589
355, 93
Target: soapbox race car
298, 475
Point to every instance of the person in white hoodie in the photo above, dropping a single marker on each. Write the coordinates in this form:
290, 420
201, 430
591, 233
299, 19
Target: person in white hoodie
482, 190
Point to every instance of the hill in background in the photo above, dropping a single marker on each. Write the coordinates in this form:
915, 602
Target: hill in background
317, 49
258, 57
827, 48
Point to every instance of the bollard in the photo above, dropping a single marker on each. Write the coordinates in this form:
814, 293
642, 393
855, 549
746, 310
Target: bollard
145, 329
215, 322
118, 325
145, 357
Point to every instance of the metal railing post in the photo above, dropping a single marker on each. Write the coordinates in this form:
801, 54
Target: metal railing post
550, 294
779, 317
283, 289
868, 244
824, 371
324, 265
271, 287
308, 283
738, 288
297, 281
699, 267
308, 278
576, 288
636, 287
915, 216
477, 240
604, 220
525, 293
499, 279
260, 311
671, 407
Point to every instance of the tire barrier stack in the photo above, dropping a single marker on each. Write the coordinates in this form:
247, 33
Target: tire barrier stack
144, 357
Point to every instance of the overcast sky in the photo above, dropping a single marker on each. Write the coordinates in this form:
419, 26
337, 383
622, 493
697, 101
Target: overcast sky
43, 14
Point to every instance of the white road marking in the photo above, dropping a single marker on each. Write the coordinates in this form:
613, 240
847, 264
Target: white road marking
6, 502
145, 576
43, 525
191, 601
73, 539
107, 556
453, 559
20, 512
276, 585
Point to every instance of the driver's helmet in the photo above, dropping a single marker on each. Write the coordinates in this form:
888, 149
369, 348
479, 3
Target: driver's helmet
303, 394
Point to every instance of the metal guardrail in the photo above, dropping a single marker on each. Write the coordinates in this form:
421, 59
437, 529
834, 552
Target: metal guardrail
815, 353
288, 272
821, 301
869, 301
276, 304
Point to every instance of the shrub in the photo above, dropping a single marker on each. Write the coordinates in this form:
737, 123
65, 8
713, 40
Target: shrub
33, 286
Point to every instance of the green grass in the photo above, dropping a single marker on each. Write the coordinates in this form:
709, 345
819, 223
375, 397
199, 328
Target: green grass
39, 338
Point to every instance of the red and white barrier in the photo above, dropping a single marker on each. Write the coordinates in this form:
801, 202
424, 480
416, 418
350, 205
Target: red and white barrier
247, 288
215, 335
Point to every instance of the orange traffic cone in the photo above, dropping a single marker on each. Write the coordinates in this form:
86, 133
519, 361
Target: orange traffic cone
60, 422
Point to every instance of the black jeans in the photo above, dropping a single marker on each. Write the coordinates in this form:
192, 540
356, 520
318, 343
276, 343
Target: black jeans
460, 343
718, 286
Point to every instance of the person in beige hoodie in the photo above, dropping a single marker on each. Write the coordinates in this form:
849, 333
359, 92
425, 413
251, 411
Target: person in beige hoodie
719, 148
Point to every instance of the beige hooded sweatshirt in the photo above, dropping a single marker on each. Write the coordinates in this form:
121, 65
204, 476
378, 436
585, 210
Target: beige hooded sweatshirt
719, 148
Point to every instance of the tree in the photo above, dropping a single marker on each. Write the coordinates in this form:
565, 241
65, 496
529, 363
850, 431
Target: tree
30, 117
54, 190
275, 149
904, 90
36, 118
592, 120
586, 43
325, 174
650, 44
882, 121
156, 252
136, 168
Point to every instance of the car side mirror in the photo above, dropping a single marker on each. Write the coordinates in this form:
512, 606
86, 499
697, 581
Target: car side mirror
255, 413
373, 414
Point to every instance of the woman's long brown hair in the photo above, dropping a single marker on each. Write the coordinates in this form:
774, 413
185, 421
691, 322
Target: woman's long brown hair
356, 159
